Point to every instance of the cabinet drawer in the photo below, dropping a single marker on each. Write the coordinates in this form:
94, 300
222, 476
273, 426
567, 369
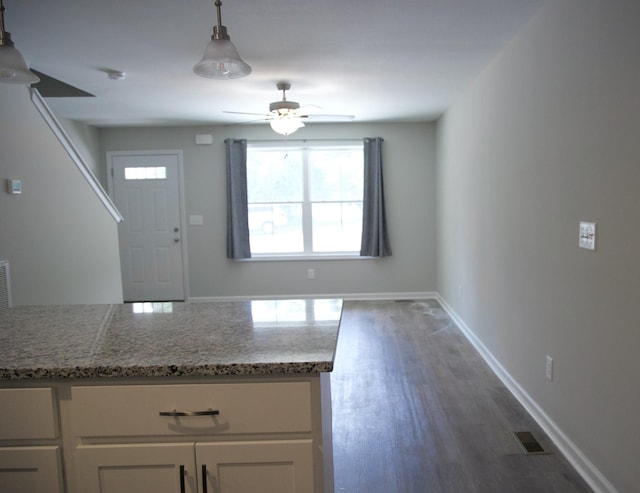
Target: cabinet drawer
32, 469
134, 410
27, 414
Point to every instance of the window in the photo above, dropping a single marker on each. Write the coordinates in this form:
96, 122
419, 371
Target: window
145, 173
305, 199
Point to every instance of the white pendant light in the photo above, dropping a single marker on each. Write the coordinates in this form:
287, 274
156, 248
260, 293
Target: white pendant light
13, 68
221, 59
286, 125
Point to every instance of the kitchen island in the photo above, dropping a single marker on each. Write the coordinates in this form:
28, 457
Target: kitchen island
184, 397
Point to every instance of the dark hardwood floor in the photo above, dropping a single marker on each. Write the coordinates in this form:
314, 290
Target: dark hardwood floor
416, 409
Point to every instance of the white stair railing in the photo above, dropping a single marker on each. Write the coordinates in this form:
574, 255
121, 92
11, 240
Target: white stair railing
75, 156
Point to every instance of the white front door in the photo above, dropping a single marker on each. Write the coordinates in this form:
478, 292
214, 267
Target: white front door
147, 191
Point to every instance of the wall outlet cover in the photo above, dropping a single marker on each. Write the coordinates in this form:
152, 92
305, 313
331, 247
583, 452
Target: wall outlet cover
587, 235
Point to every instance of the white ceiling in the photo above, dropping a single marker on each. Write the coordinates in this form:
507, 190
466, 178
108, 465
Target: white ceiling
380, 60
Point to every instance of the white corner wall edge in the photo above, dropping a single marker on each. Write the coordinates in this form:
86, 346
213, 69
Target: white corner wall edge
418, 295
75, 156
589, 472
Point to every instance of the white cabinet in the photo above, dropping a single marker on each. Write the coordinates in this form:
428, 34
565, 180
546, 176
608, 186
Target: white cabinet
29, 451
135, 410
283, 466
30, 469
136, 468
28, 414
277, 466
198, 438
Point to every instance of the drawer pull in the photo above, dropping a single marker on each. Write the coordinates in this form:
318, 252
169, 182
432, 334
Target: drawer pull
182, 473
208, 412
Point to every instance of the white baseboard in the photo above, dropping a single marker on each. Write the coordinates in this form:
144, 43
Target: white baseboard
418, 295
590, 473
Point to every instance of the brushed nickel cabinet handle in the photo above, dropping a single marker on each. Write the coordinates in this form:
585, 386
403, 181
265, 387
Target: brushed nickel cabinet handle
208, 412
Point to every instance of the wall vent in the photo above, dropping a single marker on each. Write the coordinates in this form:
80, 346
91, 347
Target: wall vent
5, 286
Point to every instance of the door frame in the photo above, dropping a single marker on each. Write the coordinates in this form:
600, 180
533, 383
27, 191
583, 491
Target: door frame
181, 201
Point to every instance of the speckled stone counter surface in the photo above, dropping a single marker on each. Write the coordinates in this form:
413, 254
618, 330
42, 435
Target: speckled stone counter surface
262, 337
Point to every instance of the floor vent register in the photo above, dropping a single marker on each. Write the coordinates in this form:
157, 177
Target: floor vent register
528, 442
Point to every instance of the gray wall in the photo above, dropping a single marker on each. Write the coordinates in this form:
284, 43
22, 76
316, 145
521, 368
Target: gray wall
546, 137
409, 172
86, 138
61, 242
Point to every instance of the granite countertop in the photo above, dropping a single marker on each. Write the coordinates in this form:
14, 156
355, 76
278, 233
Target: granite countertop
264, 337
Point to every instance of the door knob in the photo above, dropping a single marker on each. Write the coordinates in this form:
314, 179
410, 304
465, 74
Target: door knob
176, 240
175, 230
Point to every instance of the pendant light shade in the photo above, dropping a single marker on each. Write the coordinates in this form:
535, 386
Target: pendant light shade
13, 68
286, 125
221, 59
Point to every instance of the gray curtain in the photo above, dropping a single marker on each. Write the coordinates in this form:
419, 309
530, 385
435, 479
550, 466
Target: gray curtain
375, 238
237, 210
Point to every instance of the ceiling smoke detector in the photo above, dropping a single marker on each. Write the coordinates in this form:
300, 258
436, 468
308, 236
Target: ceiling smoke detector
116, 75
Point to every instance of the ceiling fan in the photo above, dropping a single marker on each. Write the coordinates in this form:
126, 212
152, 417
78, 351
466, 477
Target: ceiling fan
285, 117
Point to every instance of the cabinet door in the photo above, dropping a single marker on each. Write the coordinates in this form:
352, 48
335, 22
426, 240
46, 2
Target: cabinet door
30, 470
149, 468
282, 466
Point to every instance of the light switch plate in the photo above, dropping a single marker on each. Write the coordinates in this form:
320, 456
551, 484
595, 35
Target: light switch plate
196, 220
14, 187
587, 235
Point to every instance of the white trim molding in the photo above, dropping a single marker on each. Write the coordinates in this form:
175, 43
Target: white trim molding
73, 153
589, 472
418, 295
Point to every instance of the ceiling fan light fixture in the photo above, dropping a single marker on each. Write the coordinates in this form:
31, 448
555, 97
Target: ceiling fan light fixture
13, 68
286, 126
284, 108
221, 59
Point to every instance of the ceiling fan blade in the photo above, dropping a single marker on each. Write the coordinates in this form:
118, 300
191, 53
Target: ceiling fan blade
244, 113
246, 122
328, 117
307, 107
291, 110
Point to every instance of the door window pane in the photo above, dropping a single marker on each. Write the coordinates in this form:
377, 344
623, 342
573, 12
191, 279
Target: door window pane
145, 173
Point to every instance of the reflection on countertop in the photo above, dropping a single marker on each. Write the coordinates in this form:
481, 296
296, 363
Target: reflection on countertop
169, 339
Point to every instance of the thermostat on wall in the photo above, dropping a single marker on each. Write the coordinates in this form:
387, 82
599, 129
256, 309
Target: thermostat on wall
14, 186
